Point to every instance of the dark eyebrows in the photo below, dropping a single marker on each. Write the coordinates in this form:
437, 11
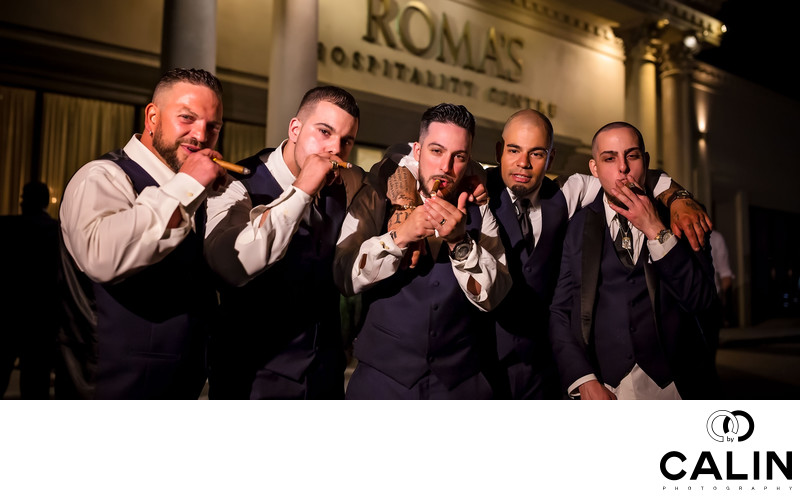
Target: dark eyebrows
331, 129
633, 149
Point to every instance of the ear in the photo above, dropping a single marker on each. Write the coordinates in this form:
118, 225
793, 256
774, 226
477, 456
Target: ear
151, 115
550, 158
498, 150
295, 125
415, 150
593, 167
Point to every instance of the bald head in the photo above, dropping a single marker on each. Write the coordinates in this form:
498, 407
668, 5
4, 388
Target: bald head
530, 117
526, 151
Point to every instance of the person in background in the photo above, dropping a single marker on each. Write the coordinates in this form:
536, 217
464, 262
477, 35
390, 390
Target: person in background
31, 302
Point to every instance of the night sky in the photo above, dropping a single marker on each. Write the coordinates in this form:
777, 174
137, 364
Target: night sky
761, 44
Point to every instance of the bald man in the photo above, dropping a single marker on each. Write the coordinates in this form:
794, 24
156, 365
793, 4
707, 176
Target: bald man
532, 211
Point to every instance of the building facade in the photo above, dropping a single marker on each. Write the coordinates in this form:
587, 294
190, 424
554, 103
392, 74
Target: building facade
75, 78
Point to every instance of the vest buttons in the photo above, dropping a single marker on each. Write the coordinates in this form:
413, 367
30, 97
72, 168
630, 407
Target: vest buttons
435, 307
435, 283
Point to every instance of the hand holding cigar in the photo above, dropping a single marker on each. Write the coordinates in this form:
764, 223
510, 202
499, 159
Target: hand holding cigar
232, 167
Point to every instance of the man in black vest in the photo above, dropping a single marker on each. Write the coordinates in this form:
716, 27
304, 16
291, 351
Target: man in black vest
271, 238
425, 328
131, 222
632, 299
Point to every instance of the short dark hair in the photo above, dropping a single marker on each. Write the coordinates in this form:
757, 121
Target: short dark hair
339, 97
619, 124
447, 113
194, 76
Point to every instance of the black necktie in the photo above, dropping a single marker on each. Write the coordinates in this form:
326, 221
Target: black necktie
523, 204
624, 242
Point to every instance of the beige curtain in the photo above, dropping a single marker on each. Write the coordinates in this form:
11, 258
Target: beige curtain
17, 114
242, 140
76, 131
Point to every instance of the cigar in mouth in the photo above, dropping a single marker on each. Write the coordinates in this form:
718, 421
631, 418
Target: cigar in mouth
635, 188
337, 164
435, 187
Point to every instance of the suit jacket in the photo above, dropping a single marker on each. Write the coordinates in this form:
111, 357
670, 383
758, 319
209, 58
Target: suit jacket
681, 291
522, 318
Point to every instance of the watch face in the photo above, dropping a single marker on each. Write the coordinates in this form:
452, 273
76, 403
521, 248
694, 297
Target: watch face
461, 251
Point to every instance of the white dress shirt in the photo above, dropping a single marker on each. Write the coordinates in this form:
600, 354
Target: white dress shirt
112, 232
236, 247
366, 254
579, 190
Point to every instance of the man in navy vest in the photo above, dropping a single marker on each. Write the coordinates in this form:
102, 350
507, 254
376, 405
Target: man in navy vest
631, 300
425, 327
131, 222
271, 238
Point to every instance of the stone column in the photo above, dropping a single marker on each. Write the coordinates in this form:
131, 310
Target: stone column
293, 62
189, 35
677, 116
641, 105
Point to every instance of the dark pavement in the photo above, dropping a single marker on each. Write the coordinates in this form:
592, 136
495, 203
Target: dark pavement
754, 363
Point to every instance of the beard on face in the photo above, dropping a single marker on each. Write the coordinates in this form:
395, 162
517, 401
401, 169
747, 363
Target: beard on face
520, 191
448, 193
169, 151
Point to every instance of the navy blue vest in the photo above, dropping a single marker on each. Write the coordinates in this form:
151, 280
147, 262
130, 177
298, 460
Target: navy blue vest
624, 324
523, 316
419, 320
153, 326
285, 317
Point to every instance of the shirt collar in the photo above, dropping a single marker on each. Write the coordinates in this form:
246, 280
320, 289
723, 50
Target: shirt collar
150, 162
277, 166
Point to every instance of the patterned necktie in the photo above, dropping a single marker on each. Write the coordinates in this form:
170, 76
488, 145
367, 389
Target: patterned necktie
523, 205
624, 242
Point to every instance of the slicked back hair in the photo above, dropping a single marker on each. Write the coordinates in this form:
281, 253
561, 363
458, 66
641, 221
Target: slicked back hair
193, 76
613, 126
339, 97
447, 113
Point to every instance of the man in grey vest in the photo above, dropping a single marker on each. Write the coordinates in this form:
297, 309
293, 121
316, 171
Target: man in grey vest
425, 327
631, 305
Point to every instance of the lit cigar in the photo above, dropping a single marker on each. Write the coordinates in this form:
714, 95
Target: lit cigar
337, 164
435, 187
232, 167
636, 190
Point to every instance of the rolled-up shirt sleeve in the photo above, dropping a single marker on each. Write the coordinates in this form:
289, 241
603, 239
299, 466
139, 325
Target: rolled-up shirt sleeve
111, 232
236, 247
486, 264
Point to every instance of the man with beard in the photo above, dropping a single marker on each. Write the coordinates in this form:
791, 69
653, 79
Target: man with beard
271, 238
425, 325
132, 223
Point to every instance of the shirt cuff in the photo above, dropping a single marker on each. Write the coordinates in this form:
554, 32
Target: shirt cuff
573, 388
184, 188
659, 250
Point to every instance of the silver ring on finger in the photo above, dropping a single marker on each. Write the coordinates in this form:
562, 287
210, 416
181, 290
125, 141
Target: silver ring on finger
443, 221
